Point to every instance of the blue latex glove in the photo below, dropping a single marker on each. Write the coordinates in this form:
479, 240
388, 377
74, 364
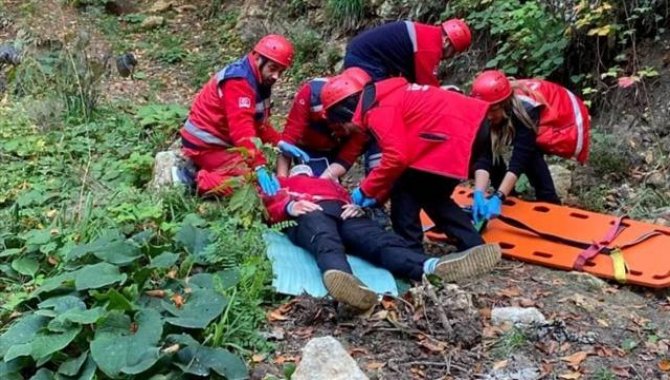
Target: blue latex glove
478, 206
359, 199
268, 182
293, 151
493, 207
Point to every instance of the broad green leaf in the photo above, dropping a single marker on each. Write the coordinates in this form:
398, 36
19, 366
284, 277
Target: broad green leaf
118, 301
164, 260
89, 369
98, 275
120, 346
27, 266
53, 283
73, 366
62, 304
198, 360
119, 253
200, 308
22, 331
43, 374
111, 247
35, 238
82, 317
11, 370
10, 252
18, 350
220, 280
47, 343
194, 239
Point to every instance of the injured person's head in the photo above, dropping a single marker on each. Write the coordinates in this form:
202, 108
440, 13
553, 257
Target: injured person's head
301, 170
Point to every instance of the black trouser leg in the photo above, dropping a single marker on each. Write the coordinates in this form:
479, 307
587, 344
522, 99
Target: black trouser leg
364, 238
539, 177
405, 210
317, 232
432, 193
447, 215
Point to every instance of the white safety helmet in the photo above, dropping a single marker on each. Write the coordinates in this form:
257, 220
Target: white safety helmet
301, 169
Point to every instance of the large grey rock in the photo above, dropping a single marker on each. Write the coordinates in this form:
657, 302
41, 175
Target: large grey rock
152, 22
562, 179
170, 169
325, 359
516, 315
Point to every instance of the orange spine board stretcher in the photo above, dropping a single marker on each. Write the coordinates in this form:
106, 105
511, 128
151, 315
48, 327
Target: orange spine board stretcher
647, 262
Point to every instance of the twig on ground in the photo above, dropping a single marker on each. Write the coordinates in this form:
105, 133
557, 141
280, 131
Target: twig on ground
430, 291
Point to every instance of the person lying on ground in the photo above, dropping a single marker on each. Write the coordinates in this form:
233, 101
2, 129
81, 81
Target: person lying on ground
328, 225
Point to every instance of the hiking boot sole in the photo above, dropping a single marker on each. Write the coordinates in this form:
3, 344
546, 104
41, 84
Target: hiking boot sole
470, 263
345, 288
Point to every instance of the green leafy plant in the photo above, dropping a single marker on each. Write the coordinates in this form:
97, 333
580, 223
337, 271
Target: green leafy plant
530, 39
347, 14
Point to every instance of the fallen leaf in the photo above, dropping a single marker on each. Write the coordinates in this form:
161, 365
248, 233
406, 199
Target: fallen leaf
178, 300
603, 351
625, 82
285, 308
485, 313
281, 359
372, 366
576, 359
548, 347
564, 347
570, 376
602, 323
257, 358
491, 331
172, 274
388, 303
275, 315
500, 365
525, 302
171, 349
509, 292
158, 293
304, 332
664, 365
358, 351
435, 348
547, 368
621, 371
380, 315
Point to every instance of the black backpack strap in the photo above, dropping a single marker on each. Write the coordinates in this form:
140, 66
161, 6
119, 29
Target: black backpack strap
369, 97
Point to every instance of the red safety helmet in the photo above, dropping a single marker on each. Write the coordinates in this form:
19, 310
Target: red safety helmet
491, 86
339, 88
275, 48
357, 74
458, 33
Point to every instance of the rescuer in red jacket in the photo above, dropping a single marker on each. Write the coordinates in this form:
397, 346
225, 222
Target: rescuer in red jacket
328, 151
231, 111
426, 136
328, 225
408, 49
534, 117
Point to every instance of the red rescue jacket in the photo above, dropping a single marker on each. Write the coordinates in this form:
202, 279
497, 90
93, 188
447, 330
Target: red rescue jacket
428, 45
564, 119
420, 127
229, 111
302, 187
307, 127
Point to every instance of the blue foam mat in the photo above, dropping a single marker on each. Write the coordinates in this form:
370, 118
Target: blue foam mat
295, 271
